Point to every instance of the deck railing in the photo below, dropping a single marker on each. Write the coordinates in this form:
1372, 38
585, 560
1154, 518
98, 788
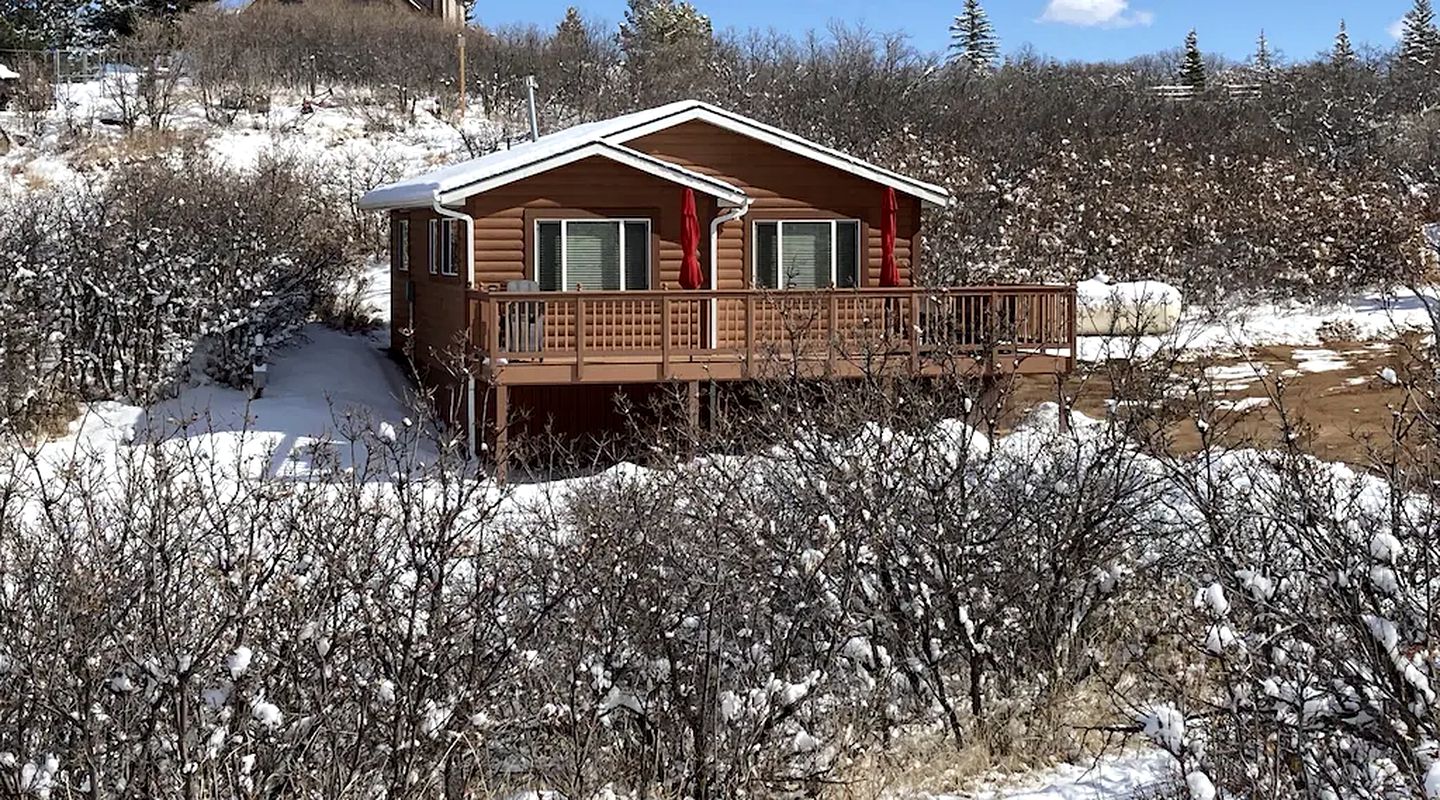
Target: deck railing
668, 328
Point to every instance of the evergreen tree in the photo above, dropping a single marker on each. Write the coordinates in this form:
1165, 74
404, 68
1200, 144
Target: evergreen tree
41, 24
1264, 58
668, 46
571, 29
1343, 53
1420, 40
1192, 69
115, 19
972, 38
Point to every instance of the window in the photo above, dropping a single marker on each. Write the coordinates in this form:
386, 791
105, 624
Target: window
807, 254
444, 235
573, 254
400, 245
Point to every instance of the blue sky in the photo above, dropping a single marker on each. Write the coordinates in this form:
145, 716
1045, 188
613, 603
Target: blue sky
1067, 29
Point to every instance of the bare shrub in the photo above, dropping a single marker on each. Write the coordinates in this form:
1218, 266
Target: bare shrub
170, 266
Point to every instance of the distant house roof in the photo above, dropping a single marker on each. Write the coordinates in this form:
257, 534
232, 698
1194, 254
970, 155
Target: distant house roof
607, 139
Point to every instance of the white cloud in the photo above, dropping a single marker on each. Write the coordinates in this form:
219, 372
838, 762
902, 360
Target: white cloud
1397, 28
1096, 13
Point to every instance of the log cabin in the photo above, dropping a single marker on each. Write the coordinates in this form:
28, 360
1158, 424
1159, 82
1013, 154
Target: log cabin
684, 243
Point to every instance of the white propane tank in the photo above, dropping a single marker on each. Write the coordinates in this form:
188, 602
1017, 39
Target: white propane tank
1135, 308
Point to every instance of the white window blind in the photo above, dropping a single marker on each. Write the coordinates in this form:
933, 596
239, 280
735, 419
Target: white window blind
589, 254
806, 254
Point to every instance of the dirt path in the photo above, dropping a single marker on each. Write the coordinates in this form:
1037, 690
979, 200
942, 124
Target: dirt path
1337, 392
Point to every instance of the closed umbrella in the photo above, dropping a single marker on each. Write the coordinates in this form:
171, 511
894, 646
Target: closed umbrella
889, 270
690, 277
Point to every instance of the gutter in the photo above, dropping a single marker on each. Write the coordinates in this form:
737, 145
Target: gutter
729, 216
469, 221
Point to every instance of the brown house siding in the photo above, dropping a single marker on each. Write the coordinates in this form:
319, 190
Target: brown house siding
504, 217
783, 186
439, 311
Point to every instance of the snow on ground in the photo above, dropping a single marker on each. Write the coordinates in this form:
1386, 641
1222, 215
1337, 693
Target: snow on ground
324, 384
1370, 317
1113, 777
1319, 360
351, 134
1236, 377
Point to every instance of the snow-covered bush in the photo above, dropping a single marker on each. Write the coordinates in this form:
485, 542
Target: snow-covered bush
161, 272
1308, 662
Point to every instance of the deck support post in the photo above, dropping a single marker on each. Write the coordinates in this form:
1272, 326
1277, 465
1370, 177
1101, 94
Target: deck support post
692, 404
1064, 405
502, 438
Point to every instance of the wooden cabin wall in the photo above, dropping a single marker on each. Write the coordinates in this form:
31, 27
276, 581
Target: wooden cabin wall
505, 217
784, 185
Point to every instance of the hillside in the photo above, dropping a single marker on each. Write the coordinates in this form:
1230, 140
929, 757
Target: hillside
1211, 573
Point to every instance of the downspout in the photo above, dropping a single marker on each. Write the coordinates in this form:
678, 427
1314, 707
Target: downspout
729, 216
469, 221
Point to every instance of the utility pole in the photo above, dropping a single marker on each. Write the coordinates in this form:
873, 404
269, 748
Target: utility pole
460, 45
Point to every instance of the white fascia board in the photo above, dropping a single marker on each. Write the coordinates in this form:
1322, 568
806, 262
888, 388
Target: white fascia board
927, 192
400, 195
727, 194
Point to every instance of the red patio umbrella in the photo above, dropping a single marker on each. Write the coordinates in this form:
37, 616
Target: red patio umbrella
889, 271
690, 277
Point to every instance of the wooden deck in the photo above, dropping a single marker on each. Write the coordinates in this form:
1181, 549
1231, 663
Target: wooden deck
557, 338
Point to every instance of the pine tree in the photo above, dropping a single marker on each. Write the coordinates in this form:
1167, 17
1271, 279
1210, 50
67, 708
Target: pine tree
1192, 69
115, 19
1264, 59
42, 24
668, 47
972, 38
1343, 53
1420, 41
571, 28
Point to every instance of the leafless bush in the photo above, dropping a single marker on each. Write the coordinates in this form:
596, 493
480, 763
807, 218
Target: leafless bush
33, 93
168, 267
1297, 657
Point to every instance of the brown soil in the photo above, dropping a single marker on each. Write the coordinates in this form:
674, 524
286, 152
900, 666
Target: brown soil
1339, 413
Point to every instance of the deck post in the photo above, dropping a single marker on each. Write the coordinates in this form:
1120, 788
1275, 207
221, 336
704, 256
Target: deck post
1063, 403
579, 339
665, 338
750, 335
1072, 302
692, 403
914, 333
833, 338
502, 438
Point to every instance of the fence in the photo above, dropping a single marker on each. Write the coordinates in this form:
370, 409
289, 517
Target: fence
1182, 92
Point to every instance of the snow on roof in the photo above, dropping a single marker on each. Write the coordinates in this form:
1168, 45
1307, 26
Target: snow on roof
606, 138
453, 183
7, 74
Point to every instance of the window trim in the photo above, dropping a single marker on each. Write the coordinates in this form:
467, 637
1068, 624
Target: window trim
780, 224
400, 244
564, 223
444, 232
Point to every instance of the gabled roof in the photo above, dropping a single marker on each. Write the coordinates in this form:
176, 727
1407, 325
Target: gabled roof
607, 139
454, 183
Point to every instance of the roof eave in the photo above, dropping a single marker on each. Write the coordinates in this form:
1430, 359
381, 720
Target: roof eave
724, 192
386, 198
928, 193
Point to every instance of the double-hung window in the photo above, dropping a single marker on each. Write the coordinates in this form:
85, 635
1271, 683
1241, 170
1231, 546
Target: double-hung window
806, 254
445, 240
573, 254
400, 245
